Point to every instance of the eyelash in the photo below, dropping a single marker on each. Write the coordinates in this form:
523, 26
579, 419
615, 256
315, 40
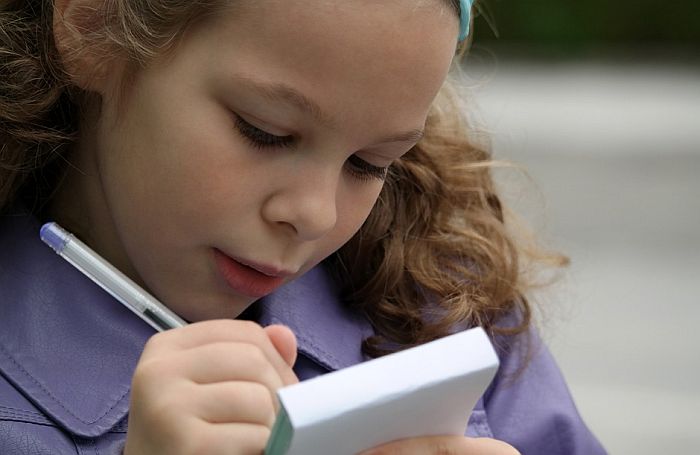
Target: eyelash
359, 168
261, 139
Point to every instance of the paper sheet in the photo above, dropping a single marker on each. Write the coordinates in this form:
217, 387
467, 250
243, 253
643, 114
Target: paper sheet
427, 390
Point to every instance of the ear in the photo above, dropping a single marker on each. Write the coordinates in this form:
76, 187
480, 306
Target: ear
87, 64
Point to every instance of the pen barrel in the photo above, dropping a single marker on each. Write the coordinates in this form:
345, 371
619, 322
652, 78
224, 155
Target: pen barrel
110, 279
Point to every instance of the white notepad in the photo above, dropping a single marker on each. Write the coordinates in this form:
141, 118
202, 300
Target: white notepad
427, 390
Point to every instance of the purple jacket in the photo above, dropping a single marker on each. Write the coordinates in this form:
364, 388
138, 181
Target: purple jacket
68, 350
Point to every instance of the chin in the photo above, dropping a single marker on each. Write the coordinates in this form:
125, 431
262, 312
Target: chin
221, 306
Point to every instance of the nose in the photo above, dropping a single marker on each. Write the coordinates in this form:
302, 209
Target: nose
305, 204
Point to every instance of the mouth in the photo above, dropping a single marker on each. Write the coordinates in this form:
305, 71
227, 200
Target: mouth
247, 277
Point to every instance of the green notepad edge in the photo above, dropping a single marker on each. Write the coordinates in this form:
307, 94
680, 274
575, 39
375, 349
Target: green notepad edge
281, 435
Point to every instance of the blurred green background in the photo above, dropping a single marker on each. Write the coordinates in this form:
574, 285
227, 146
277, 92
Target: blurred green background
582, 26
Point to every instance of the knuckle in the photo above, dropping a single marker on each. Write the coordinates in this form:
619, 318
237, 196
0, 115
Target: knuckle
156, 368
145, 373
155, 342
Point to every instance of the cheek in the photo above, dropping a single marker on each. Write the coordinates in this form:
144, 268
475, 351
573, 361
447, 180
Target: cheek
171, 162
161, 186
354, 206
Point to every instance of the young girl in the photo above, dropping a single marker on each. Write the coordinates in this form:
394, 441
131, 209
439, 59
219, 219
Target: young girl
296, 165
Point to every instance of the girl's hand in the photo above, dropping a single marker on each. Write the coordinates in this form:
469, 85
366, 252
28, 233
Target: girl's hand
209, 388
444, 445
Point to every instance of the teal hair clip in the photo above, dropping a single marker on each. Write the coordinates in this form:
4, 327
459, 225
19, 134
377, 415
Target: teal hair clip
465, 7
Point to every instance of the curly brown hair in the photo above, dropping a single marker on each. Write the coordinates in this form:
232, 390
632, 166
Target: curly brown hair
433, 256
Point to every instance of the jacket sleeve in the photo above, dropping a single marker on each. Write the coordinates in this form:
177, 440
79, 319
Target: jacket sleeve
528, 405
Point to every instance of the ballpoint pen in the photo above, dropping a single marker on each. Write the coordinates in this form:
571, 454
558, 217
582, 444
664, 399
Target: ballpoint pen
109, 278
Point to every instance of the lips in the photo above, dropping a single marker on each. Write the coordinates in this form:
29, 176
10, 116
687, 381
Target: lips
248, 278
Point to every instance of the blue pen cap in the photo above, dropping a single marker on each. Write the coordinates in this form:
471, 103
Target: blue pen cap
54, 236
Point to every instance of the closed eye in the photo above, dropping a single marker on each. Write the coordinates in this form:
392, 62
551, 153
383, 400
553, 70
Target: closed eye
259, 138
363, 170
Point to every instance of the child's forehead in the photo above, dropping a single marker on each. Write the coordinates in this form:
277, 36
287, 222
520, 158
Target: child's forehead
304, 29
386, 50
335, 15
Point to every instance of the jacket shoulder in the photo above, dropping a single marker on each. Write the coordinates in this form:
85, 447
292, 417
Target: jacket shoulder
529, 404
24, 430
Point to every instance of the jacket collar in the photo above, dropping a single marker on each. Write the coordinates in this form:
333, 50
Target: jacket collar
327, 332
71, 349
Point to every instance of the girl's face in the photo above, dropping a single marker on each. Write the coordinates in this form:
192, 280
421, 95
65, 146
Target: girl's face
258, 148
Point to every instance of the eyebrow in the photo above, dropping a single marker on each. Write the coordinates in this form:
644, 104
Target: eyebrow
278, 91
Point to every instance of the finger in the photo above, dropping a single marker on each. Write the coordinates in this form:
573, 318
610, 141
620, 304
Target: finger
284, 340
207, 332
444, 445
234, 402
204, 332
230, 439
222, 362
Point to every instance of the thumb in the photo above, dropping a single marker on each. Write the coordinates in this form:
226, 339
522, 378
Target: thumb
284, 341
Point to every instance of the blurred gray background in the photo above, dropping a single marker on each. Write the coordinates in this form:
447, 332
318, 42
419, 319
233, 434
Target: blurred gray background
606, 122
